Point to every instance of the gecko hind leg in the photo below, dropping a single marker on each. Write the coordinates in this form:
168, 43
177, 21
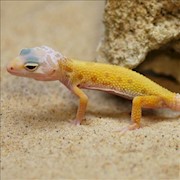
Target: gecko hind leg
138, 103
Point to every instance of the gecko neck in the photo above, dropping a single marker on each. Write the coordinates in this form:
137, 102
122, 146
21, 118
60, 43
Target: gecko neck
64, 71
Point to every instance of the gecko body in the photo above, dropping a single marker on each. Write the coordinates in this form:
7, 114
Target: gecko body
43, 63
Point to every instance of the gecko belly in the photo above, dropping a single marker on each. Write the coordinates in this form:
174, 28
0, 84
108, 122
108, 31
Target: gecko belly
112, 91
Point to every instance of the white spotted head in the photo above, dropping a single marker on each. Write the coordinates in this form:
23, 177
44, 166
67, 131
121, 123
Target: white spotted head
40, 63
48, 54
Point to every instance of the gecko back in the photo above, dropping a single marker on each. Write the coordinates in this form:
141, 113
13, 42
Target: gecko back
113, 79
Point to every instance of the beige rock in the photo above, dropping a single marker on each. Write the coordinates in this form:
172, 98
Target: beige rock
165, 61
134, 28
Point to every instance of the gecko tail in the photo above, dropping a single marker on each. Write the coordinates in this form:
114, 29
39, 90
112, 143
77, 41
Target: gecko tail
176, 105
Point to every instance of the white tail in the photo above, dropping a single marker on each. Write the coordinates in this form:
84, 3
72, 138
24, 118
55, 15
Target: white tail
176, 106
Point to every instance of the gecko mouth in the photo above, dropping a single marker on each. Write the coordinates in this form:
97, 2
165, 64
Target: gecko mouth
46, 77
14, 72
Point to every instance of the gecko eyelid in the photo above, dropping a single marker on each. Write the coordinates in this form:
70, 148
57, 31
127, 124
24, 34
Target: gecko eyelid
31, 66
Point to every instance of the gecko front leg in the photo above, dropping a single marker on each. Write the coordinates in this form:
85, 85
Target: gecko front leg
83, 100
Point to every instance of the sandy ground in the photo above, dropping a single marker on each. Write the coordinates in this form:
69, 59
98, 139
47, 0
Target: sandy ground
37, 138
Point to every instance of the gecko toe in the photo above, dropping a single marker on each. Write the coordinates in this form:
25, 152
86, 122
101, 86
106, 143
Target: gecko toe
76, 122
128, 128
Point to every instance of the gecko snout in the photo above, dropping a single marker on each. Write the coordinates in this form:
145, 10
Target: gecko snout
14, 65
9, 68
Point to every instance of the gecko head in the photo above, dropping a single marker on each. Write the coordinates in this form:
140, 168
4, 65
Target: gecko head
40, 63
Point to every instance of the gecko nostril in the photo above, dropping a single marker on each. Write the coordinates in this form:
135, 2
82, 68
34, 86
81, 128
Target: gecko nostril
10, 68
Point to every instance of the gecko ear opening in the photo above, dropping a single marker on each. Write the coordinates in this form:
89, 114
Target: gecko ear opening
31, 67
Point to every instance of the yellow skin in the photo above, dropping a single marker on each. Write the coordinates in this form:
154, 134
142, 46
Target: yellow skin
43, 63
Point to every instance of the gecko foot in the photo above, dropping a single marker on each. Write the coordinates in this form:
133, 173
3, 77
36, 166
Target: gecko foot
76, 122
128, 128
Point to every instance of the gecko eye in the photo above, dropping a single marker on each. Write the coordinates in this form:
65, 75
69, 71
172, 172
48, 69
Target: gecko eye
31, 66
